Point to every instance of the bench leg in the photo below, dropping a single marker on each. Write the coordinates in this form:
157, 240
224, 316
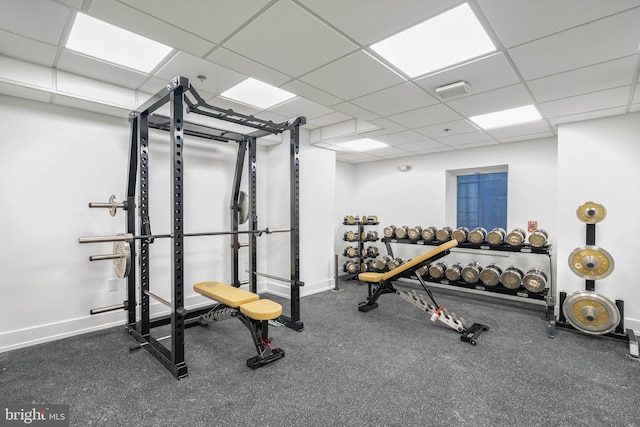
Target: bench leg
370, 303
260, 333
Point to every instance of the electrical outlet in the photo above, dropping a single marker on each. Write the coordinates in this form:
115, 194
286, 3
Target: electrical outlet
113, 285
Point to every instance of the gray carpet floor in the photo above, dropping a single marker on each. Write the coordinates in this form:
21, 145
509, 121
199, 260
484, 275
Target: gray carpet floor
387, 367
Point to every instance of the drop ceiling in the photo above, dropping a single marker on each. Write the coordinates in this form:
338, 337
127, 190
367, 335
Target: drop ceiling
573, 59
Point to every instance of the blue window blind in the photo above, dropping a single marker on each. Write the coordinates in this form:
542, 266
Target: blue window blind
482, 200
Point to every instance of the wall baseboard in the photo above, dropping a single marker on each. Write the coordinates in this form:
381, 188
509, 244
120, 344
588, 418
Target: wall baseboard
40, 334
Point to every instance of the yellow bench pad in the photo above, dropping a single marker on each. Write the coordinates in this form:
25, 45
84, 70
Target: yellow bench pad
226, 294
263, 309
380, 277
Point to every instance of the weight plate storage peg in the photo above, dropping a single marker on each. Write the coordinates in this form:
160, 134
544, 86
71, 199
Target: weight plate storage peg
591, 212
591, 262
591, 313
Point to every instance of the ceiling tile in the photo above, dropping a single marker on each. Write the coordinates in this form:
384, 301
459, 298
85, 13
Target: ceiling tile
310, 92
447, 129
495, 100
588, 115
355, 111
218, 78
421, 146
76, 4
634, 108
484, 74
289, 39
302, 107
400, 138
584, 103
435, 150
15, 46
375, 22
100, 70
539, 126
329, 119
386, 127
426, 116
212, 20
584, 80
39, 20
344, 77
24, 73
520, 21
527, 137
390, 152
396, 99
349, 156
151, 27
475, 145
464, 138
243, 65
600, 41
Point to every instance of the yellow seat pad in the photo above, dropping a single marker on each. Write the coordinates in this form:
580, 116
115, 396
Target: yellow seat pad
380, 277
226, 294
263, 309
370, 277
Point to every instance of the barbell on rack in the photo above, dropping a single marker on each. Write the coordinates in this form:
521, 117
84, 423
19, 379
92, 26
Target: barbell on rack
121, 255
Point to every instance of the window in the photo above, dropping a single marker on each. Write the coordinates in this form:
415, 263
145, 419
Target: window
481, 200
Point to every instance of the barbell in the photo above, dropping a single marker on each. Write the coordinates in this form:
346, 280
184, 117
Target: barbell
121, 255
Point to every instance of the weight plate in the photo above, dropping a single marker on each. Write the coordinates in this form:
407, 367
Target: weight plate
591, 262
122, 265
243, 207
113, 208
591, 312
591, 212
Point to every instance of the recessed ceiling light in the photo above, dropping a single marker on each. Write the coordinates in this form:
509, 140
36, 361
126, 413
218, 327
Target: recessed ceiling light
444, 40
257, 94
100, 40
364, 144
513, 116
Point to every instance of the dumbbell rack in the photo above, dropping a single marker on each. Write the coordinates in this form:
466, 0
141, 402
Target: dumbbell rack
619, 333
360, 241
544, 298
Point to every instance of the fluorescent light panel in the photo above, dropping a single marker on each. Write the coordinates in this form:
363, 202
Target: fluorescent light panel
100, 40
364, 144
513, 116
257, 94
444, 40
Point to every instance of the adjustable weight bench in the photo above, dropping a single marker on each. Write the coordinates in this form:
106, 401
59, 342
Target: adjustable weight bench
382, 283
252, 311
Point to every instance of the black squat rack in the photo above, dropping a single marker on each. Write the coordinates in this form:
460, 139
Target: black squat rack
179, 93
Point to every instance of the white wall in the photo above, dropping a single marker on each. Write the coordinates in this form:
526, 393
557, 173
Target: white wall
598, 161
421, 196
317, 204
57, 159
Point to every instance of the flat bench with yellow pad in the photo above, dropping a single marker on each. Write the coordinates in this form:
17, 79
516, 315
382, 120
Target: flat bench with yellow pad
382, 283
252, 311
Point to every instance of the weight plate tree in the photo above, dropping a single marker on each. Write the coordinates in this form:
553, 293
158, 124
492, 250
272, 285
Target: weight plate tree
586, 310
